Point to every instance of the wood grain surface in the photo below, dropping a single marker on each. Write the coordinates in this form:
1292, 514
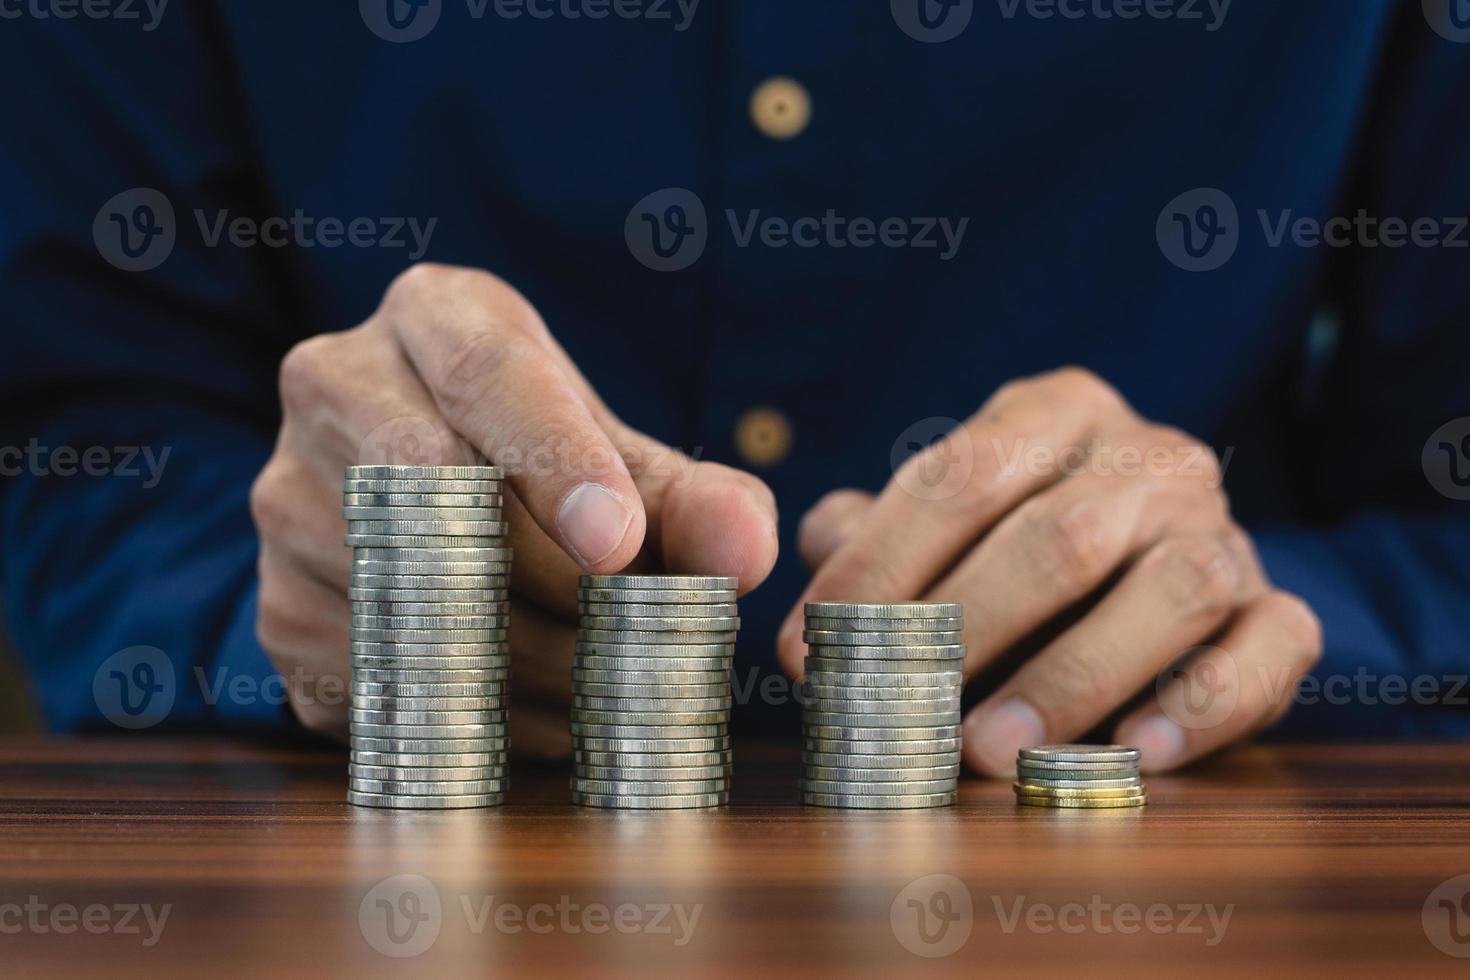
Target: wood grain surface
1289, 861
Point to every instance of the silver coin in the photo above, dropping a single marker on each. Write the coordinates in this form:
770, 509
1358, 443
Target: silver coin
488, 608
856, 801
655, 678
914, 788
927, 733
649, 692
451, 500
670, 787
711, 624
1040, 783
419, 716
449, 566
655, 705
450, 554
1080, 753
496, 594
1090, 768
399, 666
665, 719
421, 471
393, 703
686, 802
700, 583
852, 777
839, 638
885, 625
627, 637
368, 620
868, 664
450, 529
866, 747
366, 635
817, 704
403, 730
422, 485
676, 666
660, 650
933, 680
645, 610
884, 610
392, 745
482, 689
391, 677
631, 734
652, 746
830, 719
373, 580
355, 539
817, 697
824, 761
424, 802
421, 774
654, 597
650, 760
464, 787
427, 760
719, 772
352, 513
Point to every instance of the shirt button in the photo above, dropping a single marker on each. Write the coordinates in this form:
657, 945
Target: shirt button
781, 108
763, 437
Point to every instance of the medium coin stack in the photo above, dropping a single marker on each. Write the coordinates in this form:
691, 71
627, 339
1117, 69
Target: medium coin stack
1087, 777
430, 615
881, 726
651, 691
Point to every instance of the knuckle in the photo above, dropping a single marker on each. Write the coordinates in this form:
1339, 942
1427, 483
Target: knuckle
1084, 675
314, 716
1084, 384
472, 364
422, 279
1070, 544
306, 370
1299, 621
1198, 576
268, 505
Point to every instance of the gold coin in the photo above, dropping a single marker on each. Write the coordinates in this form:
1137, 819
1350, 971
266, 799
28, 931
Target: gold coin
1090, 793
1078, 804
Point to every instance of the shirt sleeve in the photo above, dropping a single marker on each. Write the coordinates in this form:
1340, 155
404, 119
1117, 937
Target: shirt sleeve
137, 388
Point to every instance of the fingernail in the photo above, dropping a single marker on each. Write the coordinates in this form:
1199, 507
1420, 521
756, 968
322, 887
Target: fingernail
996, 734
593, 521
1159, 739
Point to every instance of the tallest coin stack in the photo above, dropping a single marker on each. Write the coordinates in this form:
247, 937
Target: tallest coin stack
430, 617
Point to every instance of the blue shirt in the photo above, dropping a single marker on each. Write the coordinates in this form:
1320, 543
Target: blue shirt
1122, 184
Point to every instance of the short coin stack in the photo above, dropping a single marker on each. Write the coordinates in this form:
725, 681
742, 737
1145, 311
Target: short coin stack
430, 615
881, 727
651, 691
1079, 777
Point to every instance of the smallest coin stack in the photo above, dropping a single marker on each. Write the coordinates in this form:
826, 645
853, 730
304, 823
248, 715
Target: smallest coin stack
1079, 777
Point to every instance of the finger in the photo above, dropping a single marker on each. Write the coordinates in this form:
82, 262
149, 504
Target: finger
1241, 683
916, 531
1061, 545
1171, 599
303, 626
301, 519
834, 519
475, 342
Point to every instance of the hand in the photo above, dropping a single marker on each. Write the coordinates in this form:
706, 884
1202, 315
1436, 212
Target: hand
1102, 538
453, 367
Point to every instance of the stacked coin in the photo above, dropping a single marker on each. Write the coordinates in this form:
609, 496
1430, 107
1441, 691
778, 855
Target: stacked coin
430, 662
881, 726
651, 691
1079, 777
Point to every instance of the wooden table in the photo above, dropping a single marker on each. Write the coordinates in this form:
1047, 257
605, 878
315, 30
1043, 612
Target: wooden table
1323, 858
